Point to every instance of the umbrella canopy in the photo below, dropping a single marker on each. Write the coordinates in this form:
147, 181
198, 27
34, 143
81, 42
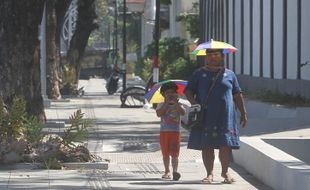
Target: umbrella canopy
154, 96
213, 44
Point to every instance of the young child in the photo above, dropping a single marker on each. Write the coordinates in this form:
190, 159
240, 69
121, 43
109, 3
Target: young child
170, 111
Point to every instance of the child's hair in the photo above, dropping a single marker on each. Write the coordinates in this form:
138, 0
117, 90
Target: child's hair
168, 86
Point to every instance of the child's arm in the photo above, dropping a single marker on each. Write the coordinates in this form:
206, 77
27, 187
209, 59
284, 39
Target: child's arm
178, 105
160, 111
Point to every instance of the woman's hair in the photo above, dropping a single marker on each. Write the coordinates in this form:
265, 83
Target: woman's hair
168, 86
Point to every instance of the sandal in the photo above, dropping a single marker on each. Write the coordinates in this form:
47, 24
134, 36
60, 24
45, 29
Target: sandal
166, 176
207, 180
229, 180
176, 176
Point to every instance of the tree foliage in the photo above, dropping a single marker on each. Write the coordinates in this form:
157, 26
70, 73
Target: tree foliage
105, 23
174, 59
191, 20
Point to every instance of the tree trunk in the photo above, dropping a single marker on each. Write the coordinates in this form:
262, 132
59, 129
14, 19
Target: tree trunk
19, 52
52, 62
85, 25
61, 8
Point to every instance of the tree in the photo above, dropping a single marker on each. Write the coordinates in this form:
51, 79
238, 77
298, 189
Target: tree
20, 50
53, 60
55, 13
86, 23
61, 8
19, 53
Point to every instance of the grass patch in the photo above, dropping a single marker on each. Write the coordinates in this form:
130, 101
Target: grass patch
278, 98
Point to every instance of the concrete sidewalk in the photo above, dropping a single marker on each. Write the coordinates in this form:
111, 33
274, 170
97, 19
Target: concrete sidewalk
128, 139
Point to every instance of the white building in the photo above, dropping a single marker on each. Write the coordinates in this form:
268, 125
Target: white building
272, 38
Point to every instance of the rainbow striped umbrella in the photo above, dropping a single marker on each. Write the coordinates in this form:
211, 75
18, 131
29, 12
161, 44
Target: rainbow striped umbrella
200, 50
154, 96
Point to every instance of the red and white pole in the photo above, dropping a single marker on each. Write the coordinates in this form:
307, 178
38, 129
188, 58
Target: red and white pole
156, 39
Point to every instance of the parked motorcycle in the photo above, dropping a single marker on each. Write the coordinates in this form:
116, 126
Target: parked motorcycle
112, 82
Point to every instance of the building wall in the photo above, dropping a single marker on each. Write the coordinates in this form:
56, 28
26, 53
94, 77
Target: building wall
305, 45
271, 35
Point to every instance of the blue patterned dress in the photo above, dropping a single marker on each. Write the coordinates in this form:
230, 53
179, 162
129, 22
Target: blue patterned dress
220, 126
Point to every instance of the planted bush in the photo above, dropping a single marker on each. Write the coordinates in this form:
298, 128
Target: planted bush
22, 139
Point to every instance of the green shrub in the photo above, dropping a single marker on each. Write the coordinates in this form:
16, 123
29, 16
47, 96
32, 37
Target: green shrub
174, 59
17, 128
180, 69
33, 132
16, 124
13, 122
77, 132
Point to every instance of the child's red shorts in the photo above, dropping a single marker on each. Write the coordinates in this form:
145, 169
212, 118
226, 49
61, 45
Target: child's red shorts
170, 143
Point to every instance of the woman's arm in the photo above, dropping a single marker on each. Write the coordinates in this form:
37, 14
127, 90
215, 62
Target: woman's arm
240, 105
